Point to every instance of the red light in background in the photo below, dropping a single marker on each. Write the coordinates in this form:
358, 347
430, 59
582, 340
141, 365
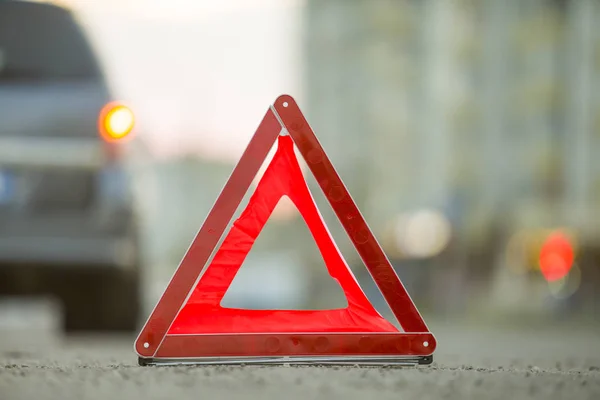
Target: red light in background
556, 256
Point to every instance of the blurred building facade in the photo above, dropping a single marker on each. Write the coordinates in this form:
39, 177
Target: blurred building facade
482, 109
473, 116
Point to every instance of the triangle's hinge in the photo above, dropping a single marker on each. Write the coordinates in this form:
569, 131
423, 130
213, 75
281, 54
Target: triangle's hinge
284, 131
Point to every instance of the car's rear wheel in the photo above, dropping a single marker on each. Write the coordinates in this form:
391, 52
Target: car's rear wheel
101, 301
92, 299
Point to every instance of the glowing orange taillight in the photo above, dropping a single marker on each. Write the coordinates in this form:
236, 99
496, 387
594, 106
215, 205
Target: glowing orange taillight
116, 122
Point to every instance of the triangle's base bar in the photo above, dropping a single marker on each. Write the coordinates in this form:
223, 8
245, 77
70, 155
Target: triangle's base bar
315, 361
297, 344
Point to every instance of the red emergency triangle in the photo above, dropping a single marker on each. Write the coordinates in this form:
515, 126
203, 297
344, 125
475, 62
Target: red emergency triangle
189, 322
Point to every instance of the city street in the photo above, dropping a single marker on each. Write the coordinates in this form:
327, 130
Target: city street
537, 363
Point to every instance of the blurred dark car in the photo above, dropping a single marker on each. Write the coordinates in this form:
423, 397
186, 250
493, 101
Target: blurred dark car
67, 221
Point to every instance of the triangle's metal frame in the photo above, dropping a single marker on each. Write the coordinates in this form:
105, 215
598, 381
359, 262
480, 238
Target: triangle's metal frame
415, 345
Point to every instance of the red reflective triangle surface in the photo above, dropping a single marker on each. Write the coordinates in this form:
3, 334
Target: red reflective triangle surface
203, 312
189, 321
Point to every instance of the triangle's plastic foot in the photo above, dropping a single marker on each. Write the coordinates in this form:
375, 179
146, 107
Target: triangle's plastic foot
426, 360
144, 362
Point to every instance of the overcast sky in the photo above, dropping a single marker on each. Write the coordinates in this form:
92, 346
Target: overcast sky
200, 74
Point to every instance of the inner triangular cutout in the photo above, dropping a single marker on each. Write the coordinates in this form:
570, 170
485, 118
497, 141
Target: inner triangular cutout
203, 312
288, 278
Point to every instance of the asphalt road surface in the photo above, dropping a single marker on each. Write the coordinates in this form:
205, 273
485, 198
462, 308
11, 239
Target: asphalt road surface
472, 362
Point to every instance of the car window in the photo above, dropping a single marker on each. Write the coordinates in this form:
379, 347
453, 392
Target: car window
42, 42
